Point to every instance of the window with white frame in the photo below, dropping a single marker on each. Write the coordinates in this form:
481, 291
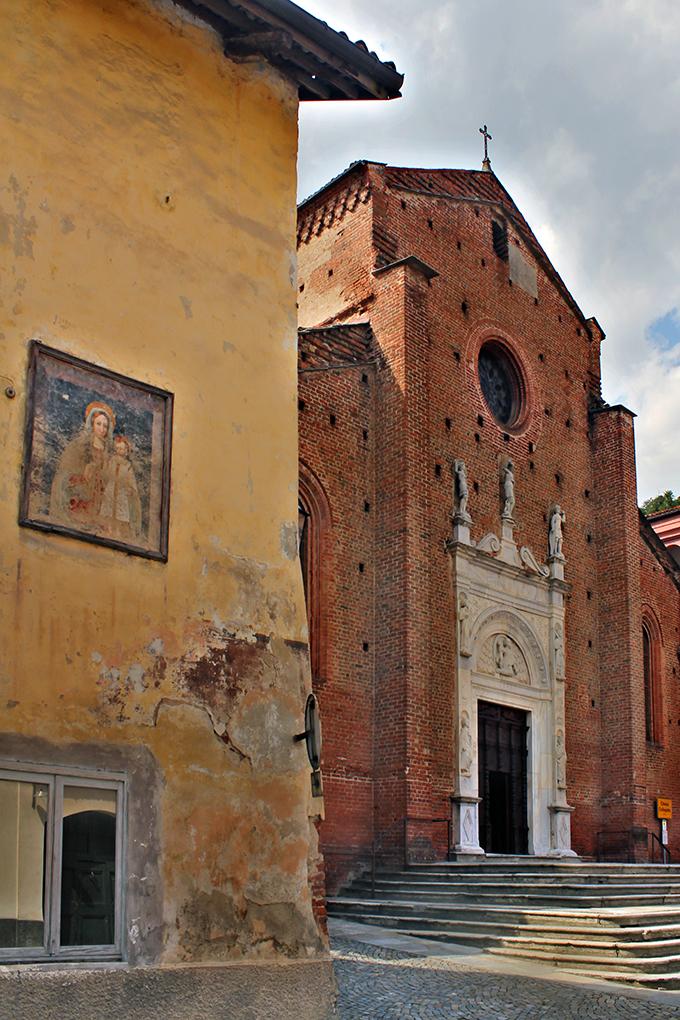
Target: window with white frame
61, 853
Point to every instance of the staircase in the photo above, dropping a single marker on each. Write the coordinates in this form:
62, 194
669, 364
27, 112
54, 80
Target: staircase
617, 922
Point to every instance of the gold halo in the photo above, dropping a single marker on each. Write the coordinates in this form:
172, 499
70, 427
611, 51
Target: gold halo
100, 406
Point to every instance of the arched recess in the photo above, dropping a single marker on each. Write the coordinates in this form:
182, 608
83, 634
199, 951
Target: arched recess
505, 621
314, 524
652, 654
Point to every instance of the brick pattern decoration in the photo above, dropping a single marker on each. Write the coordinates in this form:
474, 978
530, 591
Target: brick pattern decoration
381, 436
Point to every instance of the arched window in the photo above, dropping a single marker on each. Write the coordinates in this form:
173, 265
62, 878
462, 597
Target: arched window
304, 536
651, 656
649, 683
313, 523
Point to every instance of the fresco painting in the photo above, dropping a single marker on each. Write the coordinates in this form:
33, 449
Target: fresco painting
97, 463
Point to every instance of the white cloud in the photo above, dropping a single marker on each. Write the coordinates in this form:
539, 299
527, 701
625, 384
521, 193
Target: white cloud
653, 390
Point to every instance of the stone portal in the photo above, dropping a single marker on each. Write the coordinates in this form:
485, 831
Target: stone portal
510, 758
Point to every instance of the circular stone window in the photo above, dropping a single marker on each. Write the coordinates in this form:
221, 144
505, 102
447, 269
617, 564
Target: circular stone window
501, 381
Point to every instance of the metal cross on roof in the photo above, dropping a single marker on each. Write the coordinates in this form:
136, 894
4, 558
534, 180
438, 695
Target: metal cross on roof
486, 165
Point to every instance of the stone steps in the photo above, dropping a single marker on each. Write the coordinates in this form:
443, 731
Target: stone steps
543, 877
578, 873
539, 881
504, 925
536, 916
619, 922
603, 965
589, 899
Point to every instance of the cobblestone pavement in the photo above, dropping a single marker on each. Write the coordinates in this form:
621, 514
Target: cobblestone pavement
377, 983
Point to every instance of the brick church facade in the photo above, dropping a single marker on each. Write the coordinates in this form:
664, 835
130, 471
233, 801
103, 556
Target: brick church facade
493, 625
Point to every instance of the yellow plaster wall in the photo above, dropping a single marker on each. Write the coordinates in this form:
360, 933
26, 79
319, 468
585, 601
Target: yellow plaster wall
147, 206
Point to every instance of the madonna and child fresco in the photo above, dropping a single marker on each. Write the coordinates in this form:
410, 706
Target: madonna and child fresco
98, 455
94, 486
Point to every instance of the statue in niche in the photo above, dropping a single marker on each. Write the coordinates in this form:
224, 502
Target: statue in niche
557, 519
460, 489
508, 479
465, 756
463, 624
559, 651
560, 760
504, 656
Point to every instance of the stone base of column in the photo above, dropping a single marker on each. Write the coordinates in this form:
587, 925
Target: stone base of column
556, 565
465, 825
560, 831
461, 528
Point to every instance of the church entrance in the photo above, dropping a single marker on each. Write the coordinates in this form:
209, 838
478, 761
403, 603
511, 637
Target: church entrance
502, 779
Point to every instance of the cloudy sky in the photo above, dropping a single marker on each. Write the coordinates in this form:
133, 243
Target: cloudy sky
582, 98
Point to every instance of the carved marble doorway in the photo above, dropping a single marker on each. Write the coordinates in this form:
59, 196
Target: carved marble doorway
508, 696
503, 827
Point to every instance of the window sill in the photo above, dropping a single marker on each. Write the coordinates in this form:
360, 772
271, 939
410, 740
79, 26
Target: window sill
14, 965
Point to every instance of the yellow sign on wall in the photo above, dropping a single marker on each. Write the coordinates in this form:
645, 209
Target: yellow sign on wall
664, 807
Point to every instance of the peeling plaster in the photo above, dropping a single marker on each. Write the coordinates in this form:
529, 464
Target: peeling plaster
289, 539
16, 231
135, 677
169, 703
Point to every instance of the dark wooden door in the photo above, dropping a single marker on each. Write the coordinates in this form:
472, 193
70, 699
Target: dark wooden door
502, 779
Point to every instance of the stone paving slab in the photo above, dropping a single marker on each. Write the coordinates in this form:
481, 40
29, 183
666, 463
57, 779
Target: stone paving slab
385, 976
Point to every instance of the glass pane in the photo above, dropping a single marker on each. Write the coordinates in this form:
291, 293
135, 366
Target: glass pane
23, 813
496, 385
88, 862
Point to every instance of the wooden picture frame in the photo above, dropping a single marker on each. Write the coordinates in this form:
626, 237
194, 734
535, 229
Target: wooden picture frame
97, 454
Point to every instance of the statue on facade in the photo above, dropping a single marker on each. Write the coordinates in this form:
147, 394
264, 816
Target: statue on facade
560, 760
508, 480
460, 489
463, 624
557, 519
559, 651
466, 755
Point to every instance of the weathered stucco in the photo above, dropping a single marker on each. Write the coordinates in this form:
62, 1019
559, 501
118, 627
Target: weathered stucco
147, 204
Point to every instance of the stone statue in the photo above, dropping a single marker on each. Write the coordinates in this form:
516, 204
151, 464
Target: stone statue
466, 755
460, 487
557, 519
508, 478
560, 760
504, 658
463, 624
559, 651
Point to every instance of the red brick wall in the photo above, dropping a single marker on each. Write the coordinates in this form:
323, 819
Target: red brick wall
623, 735
661, 601
338, 459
